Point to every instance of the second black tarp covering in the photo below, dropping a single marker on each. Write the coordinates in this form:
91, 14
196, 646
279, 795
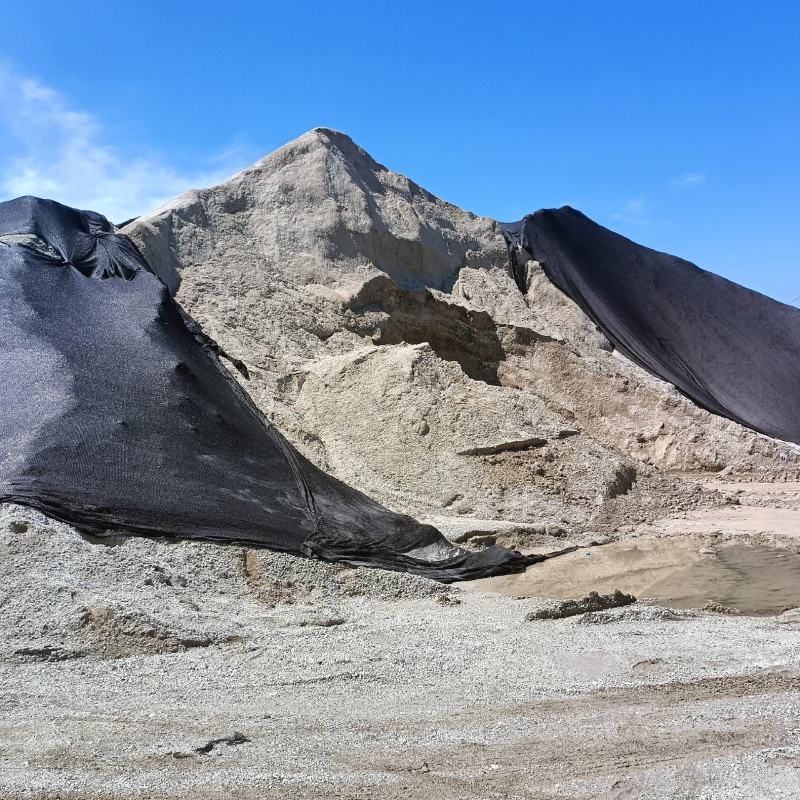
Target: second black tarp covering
117, 416
731, 350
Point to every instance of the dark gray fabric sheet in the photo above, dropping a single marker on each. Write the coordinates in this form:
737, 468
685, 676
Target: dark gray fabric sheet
117, 417
731, 350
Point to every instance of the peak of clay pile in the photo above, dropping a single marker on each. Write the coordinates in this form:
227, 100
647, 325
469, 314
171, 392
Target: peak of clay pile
320, 210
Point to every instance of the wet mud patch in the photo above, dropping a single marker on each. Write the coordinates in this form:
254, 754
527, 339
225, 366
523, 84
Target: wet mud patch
755, 580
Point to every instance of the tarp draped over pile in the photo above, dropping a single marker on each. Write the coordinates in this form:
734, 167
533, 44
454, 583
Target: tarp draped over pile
731, 350
117, 417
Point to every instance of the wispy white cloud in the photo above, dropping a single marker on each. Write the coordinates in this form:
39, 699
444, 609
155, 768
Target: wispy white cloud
635, 210
687, 180
62, 153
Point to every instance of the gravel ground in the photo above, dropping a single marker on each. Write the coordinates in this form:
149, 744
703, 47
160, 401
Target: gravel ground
211, 678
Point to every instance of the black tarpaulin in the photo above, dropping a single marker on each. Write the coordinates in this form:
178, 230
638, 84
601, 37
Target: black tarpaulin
731, 350
117, 416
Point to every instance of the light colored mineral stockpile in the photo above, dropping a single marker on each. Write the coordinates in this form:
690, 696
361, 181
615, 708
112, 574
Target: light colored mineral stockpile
387, 339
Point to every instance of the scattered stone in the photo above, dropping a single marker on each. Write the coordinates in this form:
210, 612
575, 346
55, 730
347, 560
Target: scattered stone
47, 653
719, 608
236, 738
195, 641
464, 507
510, 445
621, 481
448, 600
233, 740
633, 614
322, 622
790, 618
592, 602
647, 665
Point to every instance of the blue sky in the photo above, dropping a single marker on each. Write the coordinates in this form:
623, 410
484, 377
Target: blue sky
675, 123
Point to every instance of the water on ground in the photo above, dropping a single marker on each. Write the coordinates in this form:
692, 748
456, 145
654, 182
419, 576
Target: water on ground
680, 573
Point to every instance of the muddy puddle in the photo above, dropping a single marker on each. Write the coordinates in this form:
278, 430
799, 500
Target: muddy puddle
754, 580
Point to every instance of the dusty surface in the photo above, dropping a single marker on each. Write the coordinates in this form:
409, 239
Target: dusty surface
188, 670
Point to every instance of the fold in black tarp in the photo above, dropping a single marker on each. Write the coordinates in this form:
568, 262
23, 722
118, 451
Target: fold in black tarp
116, 415
731, 350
